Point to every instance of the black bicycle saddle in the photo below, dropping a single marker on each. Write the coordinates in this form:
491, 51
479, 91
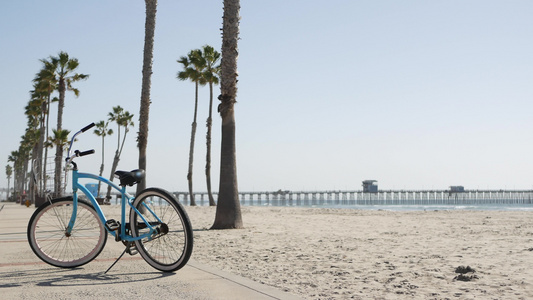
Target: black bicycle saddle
130, 178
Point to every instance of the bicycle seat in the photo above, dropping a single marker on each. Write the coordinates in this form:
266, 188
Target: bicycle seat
130, 178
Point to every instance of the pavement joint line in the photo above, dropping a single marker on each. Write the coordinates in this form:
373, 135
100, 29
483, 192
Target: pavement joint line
195, 266
19, 240
29, 263
13, 233
33, 263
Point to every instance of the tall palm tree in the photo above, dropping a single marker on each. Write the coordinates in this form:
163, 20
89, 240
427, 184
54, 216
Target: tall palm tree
228, 214
210, 74
103, 131
123, 119
193, 67
142, 138
65, 74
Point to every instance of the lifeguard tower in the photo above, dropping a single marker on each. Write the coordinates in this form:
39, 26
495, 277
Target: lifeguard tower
457, 189
370, 186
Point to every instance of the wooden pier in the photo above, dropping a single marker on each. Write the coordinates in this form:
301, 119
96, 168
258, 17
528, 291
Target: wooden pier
383, 197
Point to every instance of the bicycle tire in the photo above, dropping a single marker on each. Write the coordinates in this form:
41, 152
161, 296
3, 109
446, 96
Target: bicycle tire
170, 250
48, 240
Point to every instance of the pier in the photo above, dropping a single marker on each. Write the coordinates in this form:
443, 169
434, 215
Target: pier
382, 197
354, 198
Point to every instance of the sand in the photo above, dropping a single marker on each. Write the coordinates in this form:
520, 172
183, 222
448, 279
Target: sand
362, 254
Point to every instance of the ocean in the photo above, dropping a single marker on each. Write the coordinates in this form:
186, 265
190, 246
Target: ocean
488, 207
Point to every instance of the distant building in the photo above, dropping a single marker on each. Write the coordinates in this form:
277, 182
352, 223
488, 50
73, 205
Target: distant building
370, 186
457, 189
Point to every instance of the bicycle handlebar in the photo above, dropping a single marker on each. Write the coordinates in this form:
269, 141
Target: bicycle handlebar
78, 153
87, 127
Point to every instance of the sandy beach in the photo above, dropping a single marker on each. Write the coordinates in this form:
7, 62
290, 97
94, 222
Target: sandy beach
363, 254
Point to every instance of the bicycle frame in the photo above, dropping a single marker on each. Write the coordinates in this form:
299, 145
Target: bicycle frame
125, 198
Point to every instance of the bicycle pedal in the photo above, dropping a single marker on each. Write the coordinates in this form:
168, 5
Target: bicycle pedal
132, 250
112, 225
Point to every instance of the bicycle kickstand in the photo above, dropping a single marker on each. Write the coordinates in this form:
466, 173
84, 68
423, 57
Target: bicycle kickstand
125, 250
130, 249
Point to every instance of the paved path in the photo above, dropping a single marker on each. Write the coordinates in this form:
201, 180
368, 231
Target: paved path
25, 276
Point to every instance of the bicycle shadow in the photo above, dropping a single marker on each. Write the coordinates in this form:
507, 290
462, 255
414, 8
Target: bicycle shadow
73, 277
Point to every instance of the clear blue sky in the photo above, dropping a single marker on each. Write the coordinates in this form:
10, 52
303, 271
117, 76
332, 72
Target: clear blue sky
414, 94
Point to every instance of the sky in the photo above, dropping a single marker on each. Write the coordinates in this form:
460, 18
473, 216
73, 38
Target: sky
413, 94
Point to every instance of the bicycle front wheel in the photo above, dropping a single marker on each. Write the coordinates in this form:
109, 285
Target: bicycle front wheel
51, 243
170, 246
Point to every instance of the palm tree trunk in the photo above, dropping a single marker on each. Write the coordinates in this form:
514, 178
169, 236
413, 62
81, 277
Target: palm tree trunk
189, 172
59, 147
149, 29
57, 173
45, 179
191, 148
99, 182
61, 104
116, 160
208, 146
113, 169
14, 176
24, 186
16, 184
20, 182
30, 189
34, 168
102, 165
39, 159
8, 187
228, 214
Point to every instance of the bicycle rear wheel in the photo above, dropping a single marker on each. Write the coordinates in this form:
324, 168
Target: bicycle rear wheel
170, 248
50, 242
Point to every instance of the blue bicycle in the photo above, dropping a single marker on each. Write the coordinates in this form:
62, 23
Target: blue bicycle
69, 232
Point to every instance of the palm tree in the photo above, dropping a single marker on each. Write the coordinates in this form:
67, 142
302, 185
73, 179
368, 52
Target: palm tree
210, 74
123, 119
64, 69
142, 138
59, 138
228, 214
103, 131
193, 65
46, 83
9, 172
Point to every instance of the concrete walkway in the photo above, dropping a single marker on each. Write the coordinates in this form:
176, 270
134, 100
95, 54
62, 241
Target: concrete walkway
25, 276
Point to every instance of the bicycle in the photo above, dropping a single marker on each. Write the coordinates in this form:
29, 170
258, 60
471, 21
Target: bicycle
69, 232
